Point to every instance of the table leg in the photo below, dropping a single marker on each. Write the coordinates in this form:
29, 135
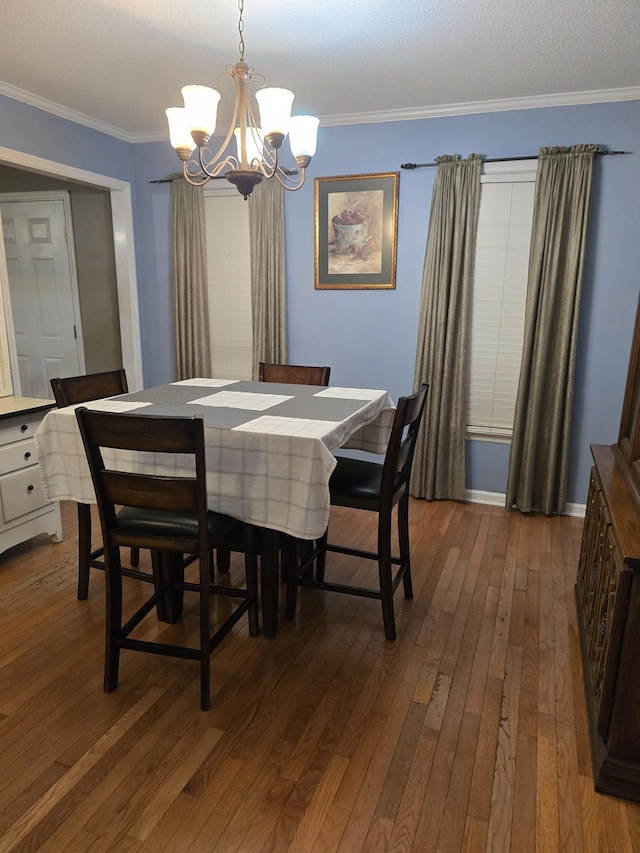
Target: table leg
168, 569
270, 580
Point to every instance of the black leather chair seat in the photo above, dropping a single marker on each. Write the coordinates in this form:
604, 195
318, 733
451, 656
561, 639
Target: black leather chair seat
370, 486
170, 524
356, 478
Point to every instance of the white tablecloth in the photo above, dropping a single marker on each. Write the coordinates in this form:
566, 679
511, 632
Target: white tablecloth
269, 446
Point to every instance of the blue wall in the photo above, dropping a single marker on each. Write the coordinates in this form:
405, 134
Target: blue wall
32, 131
153, 203
369, 337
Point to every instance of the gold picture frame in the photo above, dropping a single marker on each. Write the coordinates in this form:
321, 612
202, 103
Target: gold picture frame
356, 231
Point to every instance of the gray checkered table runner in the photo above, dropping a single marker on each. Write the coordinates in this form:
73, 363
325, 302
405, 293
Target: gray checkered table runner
269, 446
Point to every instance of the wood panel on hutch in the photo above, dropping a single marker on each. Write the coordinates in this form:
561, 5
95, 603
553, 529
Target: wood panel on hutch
608, 599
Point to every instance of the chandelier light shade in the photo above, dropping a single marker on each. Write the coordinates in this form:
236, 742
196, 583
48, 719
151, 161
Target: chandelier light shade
257, 144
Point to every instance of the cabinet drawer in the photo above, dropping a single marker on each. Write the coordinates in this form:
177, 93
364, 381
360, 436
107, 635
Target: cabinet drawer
16, 456
20, 427
21, 492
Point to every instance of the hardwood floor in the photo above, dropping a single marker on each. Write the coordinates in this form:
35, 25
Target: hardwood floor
467, 734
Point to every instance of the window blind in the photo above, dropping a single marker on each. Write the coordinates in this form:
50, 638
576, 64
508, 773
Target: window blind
229, 276
499, 295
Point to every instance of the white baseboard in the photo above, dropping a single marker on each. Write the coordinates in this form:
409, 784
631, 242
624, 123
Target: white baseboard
490, 498
577, 510
497, 499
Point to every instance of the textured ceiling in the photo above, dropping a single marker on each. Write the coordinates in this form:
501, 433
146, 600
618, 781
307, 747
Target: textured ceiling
119, 63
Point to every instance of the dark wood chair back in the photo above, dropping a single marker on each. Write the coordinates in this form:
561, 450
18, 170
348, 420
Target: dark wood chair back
369, 486
68, 391
92, 386
166, 512
398, 459
167, 496
293, 374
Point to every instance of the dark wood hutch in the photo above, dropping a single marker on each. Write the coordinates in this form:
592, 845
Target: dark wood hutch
608, 599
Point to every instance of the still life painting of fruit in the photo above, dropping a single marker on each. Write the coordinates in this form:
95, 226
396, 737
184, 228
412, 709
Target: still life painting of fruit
356, 227
355, 231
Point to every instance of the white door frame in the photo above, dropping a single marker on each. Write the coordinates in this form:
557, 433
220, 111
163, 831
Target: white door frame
63, 196
124, 248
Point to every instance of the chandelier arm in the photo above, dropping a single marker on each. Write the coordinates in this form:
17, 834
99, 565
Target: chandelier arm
269, 165
196, 179
197, 173
206, 164
288, 181
230, 160
251, 119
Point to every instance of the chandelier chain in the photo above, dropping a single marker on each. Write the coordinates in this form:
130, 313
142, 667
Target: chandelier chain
241, 29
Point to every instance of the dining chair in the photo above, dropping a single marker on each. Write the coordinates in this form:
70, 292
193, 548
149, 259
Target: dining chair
167, 514
296, 374
69, 391
89, 386
376, 487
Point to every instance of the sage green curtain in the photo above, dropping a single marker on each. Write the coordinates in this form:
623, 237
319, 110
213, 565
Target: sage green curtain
538, 463
445, 315
268, 280
189, 268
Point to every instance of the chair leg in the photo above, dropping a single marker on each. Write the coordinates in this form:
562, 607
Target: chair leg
403, 539
212, 568
113, 618
251, 577
135, 556
84, 549
321, 560
308, 554
159, 583
205, 633
269, 570
290, 565
385, 575
223, 560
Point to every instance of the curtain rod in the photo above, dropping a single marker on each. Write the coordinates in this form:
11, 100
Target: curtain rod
507, 159
421, 165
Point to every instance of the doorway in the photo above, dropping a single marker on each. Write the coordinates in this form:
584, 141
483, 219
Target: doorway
123, 245
43, 286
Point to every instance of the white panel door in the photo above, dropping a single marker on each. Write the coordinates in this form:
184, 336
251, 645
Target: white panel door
43, 292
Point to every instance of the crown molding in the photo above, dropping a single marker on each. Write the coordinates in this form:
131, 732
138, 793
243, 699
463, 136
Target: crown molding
16, 94
151, 136
564, 99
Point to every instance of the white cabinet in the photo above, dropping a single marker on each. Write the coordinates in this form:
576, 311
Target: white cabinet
24, 509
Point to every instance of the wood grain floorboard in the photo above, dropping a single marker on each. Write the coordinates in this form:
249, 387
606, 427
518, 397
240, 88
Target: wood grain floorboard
468, 733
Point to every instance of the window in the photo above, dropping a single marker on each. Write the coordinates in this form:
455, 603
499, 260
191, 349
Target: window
499, 295
229, 276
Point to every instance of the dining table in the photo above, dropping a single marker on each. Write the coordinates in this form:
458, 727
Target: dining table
269, 453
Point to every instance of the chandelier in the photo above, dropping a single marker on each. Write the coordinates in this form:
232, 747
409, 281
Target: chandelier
257, 145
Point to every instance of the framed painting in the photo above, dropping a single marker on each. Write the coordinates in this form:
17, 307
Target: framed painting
356, 224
